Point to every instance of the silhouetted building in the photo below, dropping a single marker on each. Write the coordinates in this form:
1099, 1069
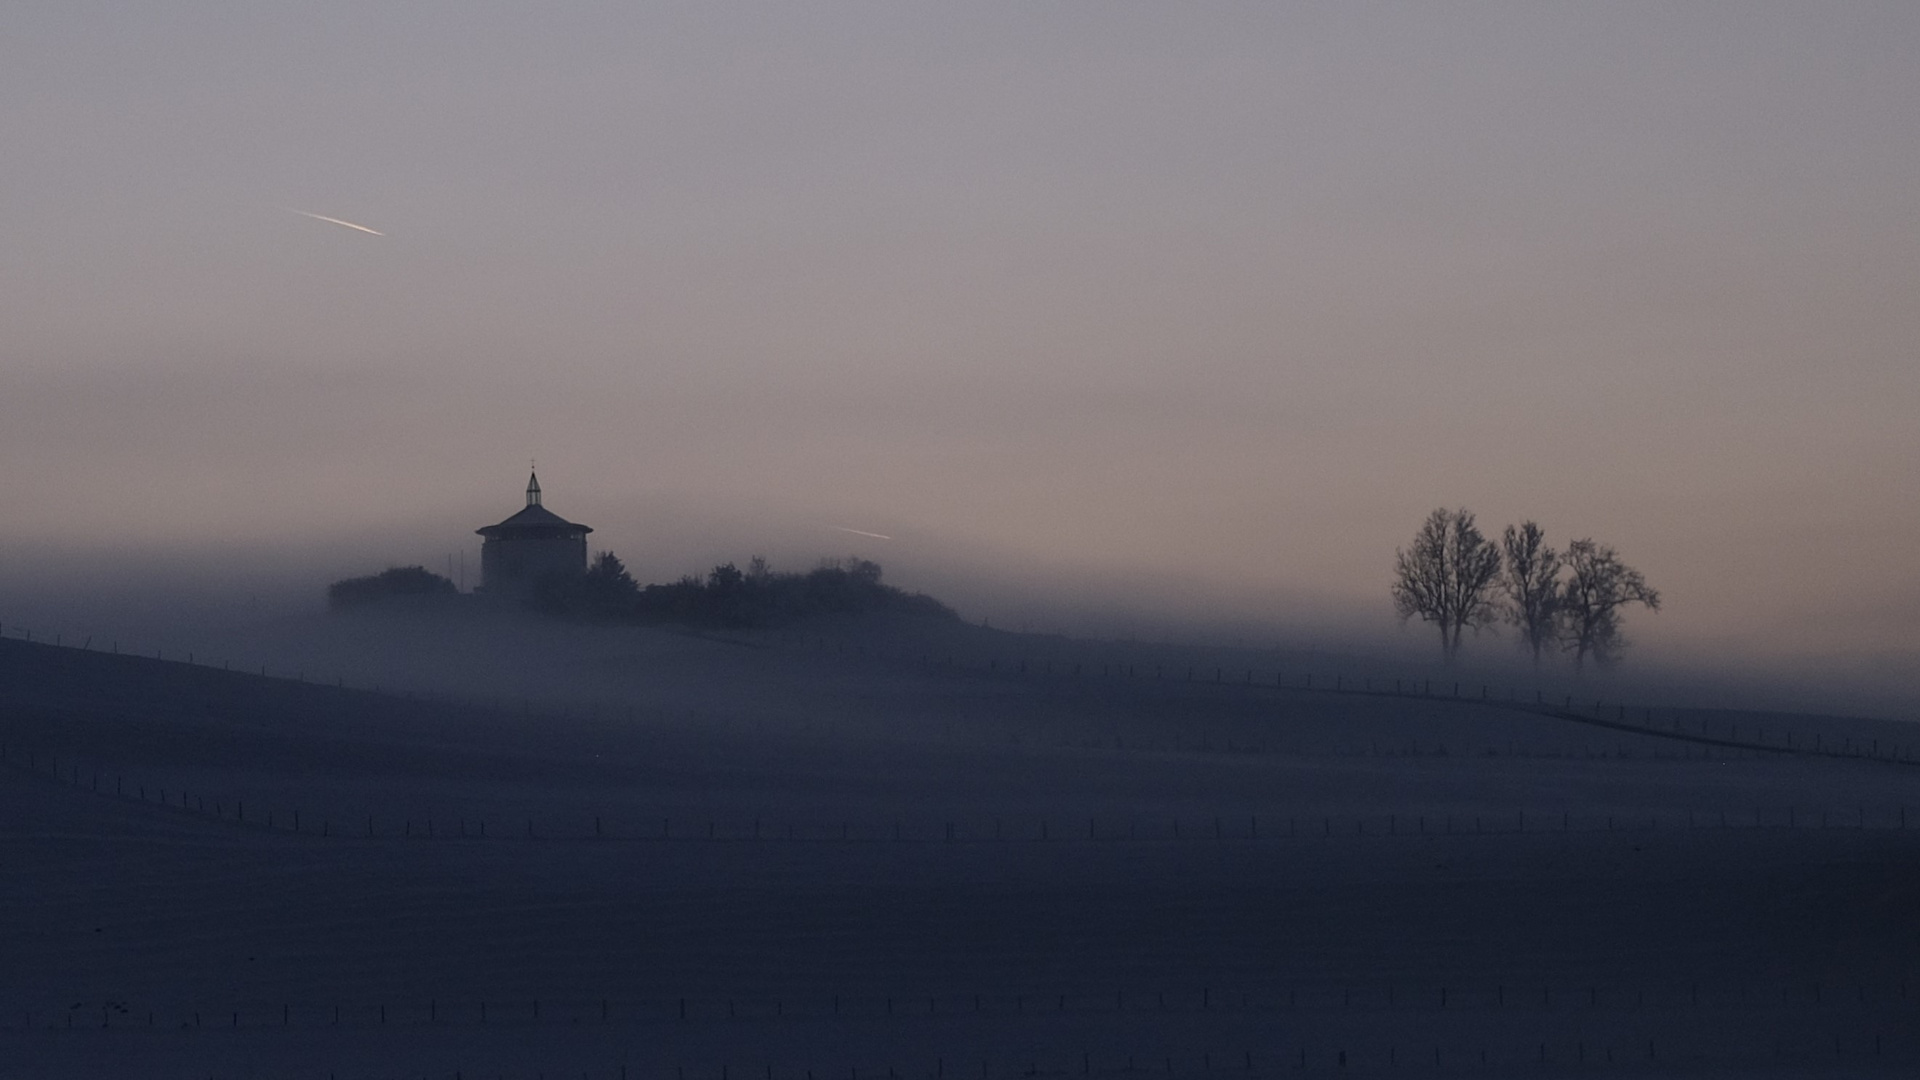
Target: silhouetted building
529, 547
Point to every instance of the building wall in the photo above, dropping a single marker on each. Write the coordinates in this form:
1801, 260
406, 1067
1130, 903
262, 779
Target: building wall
511, 566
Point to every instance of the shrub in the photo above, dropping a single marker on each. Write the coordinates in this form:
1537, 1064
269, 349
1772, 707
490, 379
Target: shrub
391, 582
762, 597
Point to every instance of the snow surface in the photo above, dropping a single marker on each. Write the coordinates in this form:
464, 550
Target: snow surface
725, 860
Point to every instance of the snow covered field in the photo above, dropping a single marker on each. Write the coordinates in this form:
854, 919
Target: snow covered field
689, 858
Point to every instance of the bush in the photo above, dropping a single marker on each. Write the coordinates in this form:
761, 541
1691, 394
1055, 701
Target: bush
391, 582
605, 591
759, 596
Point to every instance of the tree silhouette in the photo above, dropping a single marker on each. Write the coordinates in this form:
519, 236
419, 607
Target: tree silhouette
395, 581
607, 589
1598, 586
1531, 583
725, 580
1447, 576
762, 596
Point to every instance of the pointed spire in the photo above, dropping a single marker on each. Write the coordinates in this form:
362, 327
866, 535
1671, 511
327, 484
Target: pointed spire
533, 489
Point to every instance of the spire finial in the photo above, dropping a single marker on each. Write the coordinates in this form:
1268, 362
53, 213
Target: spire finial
533, 487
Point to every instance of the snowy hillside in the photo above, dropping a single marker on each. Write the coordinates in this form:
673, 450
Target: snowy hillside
658, 855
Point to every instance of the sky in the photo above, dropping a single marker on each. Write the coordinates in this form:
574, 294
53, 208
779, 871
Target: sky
1195, 309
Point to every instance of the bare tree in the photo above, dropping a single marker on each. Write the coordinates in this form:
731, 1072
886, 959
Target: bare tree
1532, 586
1598, 586
1447, 576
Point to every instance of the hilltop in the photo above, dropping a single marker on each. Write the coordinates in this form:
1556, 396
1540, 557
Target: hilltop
833, 858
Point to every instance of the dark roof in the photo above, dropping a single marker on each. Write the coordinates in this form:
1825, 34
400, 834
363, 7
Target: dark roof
534, 518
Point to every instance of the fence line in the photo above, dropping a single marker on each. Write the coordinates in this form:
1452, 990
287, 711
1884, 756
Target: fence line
1885, 1037
1614, 716
1413, 689
101, 781
1503, 1054
1381, 998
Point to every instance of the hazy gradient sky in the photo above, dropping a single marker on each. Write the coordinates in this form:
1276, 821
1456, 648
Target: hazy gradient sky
1219, 297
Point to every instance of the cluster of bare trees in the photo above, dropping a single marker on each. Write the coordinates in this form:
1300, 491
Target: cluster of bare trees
1572, 600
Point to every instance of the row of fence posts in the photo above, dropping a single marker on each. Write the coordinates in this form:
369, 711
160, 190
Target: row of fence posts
1448, 1058
1423, 689
1376, 998
1869, 749
1222, 827
1452, 1058
1544, 1052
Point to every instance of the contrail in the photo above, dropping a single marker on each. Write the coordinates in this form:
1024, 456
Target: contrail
861, 532
335, 221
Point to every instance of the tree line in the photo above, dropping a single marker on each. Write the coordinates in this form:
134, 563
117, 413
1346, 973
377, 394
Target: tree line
417, 581
1573, 601
730, 597
727, 597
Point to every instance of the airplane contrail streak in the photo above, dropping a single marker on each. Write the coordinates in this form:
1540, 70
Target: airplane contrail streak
336, 221
861, 532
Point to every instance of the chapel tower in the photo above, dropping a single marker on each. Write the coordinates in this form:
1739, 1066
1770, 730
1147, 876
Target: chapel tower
530, 547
